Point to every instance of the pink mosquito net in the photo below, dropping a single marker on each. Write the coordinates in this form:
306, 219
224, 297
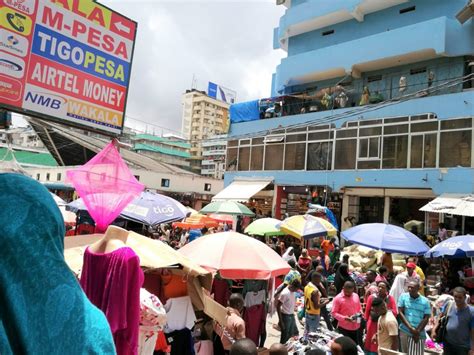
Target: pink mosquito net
106, 185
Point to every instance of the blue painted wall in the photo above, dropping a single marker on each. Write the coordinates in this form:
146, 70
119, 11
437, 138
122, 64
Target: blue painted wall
374, 23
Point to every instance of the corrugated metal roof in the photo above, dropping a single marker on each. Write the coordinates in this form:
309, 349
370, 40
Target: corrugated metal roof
70, 147
30, 158
457, 204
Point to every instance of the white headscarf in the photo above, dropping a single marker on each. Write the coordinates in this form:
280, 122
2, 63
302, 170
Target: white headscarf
287, 257
398, 286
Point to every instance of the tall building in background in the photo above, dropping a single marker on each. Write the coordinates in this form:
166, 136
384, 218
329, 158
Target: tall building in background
213, 157
372, 112
203, 117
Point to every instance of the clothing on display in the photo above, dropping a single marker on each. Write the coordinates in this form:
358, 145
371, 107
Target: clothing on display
152, 320
318, 340
254, 298
180, 314
255, 317
221, 291
43, 309
112, 282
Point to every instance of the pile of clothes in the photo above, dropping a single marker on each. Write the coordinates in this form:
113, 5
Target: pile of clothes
318, 340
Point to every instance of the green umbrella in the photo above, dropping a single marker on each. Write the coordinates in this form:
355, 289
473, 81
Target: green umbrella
227, 207
264, 226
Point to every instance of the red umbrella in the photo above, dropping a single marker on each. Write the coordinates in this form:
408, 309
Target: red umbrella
235, 256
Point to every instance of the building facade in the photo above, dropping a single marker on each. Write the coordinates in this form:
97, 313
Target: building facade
24, 137
173, 151
190, 189
203, 117
213, 157
377, 115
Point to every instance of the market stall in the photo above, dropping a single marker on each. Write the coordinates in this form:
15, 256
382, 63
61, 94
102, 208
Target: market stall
154, 256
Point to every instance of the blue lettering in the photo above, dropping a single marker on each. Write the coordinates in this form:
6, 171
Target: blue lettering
43, 100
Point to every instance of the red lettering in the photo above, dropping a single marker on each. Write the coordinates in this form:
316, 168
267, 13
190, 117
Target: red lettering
97, 15
108, 44
64, 3
52, 20
75, 9
78, 27
121, 50
94, 37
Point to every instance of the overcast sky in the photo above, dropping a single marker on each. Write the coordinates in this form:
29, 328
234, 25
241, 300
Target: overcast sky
223, 41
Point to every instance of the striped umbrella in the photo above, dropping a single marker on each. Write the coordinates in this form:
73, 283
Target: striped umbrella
307, 227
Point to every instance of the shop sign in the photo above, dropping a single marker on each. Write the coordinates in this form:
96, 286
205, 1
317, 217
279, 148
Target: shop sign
66, 60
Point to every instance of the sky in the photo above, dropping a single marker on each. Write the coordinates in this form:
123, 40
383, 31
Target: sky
223, 41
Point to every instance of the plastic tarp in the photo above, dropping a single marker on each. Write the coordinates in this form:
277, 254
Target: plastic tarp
244, 111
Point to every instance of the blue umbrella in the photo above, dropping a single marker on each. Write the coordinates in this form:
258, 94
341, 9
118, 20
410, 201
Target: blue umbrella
456, 247
386, 237
149, 208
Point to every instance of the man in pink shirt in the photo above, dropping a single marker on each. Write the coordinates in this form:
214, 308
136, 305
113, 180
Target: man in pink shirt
347, 311
235, 326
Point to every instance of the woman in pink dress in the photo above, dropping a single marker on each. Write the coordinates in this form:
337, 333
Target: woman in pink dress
371, 346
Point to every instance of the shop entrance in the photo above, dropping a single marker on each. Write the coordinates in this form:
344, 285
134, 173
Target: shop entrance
370, 210
403, 210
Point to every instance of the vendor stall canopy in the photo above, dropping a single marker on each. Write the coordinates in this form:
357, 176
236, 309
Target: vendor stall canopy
457, 204
242, 190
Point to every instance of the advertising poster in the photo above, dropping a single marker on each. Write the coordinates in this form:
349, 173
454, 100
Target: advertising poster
221, 93
67, 60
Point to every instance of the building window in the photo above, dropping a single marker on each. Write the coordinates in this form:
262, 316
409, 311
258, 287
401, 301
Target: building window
274, 156
38, 177
244, 158
395, 152
319, 156
455, 149
423, 151
345, 154
369, 148
47, 176
165, 182
207, 187
231, 159
256, 162
58, 177
295, 156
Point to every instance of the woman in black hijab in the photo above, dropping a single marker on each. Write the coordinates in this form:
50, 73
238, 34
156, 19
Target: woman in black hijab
342, 275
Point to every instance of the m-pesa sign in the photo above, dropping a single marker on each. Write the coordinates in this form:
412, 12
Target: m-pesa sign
68, 60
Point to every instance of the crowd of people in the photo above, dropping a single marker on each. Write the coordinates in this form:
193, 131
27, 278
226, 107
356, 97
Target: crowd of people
385, 311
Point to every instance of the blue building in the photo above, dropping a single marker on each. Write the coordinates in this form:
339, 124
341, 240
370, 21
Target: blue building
371, 111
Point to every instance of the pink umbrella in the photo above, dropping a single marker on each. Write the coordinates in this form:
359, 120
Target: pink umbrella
225, 218
235, 256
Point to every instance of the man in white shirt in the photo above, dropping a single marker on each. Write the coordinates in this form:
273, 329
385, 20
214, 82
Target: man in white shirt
286, 311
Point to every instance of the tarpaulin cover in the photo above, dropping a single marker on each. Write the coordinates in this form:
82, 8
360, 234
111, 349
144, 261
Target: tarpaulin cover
106, 185
244, 111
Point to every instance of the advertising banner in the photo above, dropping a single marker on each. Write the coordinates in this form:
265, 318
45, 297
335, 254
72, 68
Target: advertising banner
221, 93
66, 60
